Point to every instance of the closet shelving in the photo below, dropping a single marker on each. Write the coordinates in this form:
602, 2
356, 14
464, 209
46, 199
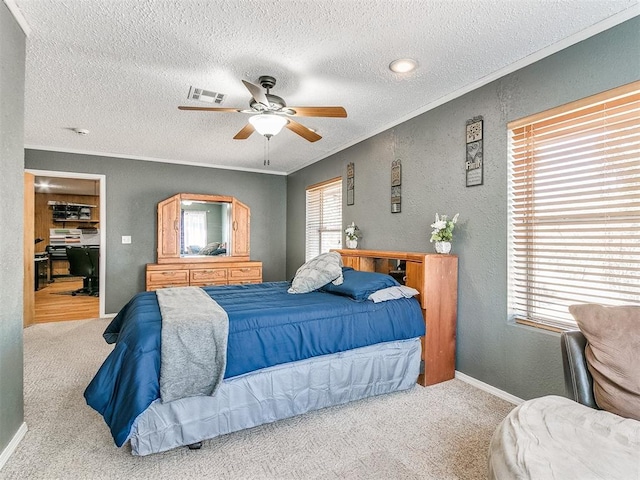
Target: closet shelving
72, 212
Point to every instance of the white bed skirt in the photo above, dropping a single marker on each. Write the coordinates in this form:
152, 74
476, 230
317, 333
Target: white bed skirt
278, 392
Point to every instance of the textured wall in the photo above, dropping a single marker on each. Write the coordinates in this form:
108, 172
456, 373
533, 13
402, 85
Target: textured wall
12, 62
521, 360
134, 187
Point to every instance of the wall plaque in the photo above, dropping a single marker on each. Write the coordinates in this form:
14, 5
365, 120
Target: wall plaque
396, 181
350, 183
474, 164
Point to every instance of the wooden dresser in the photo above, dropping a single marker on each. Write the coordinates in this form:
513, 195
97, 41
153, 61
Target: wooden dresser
435, 276
200, 275
177, 267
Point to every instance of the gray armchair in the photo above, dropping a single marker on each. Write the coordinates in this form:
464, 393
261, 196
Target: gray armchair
556, 437
577, 379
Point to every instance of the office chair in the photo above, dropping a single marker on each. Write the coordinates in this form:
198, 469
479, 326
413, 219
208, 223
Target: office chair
80, 266
94, 256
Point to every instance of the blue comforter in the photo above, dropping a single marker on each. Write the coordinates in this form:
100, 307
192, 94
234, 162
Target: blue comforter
267, 326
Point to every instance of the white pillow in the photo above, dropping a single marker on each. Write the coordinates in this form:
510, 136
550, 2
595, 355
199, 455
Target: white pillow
392, 293
317, 272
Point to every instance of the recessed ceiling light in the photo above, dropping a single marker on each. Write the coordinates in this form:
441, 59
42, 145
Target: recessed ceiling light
403, 65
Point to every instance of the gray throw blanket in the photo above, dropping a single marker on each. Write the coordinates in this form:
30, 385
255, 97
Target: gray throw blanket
193, 354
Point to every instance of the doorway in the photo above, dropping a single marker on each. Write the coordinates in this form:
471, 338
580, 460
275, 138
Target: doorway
68, 212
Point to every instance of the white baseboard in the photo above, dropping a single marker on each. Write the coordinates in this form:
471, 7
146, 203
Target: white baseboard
489, 388
13, 444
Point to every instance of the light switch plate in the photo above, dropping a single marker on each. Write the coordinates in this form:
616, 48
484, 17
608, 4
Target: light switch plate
126, 239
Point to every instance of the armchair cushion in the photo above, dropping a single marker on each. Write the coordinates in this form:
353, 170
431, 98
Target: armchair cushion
613, 343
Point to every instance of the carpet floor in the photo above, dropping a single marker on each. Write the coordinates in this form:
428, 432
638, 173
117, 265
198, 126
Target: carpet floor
439, 432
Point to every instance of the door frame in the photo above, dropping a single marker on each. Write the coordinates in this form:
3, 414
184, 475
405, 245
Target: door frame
102, 179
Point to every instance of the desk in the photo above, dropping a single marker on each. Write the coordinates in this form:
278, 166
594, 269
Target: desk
58, 253
41, 271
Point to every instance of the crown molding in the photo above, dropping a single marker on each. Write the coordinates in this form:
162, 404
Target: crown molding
17, 14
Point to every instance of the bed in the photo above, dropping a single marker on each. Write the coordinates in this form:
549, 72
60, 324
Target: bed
286, 355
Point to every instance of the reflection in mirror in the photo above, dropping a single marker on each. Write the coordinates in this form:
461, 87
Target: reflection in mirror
205, 228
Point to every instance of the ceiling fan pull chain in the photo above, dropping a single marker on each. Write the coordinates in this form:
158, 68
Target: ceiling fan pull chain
266, 151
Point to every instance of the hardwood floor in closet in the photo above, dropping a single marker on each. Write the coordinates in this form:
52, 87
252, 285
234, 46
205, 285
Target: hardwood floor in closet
53, 305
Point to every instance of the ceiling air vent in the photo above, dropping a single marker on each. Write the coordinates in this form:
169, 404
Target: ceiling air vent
205, 95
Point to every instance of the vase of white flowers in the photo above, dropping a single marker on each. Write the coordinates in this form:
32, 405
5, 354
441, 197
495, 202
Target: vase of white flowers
353, 233
442, 232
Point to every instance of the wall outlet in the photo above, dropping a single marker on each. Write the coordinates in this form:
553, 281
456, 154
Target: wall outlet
126, 239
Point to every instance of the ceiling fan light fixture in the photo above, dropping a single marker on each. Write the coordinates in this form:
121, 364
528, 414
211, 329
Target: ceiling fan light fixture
403, 65
268, 124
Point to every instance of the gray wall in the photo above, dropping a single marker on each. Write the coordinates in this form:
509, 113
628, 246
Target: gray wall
521, 360
12, 67
134, 187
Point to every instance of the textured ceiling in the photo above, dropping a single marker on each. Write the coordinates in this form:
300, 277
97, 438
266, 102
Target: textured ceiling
120, 68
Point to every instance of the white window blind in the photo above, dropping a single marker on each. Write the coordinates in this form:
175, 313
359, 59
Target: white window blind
574, 200
324, 218
195, 229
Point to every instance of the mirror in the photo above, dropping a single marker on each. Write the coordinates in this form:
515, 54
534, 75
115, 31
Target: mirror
197, 228
204, 228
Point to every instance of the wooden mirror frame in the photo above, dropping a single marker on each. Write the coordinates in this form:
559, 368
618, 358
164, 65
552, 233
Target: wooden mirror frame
169, 229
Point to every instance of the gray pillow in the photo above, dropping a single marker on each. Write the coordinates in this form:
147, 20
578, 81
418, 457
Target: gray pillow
325, 268
209, 248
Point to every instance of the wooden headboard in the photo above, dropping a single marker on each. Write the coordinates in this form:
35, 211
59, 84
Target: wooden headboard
435, 276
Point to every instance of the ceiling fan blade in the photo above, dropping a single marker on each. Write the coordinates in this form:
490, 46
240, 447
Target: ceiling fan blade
257, 93
210, 109
246, 131
336, 112
303, 131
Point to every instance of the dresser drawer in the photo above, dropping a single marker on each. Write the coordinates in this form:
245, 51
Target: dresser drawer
151, 287
208, 276
173, 278
245, 282
251, 274
202, 274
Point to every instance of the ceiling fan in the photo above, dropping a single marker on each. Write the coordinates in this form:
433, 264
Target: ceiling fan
270, 113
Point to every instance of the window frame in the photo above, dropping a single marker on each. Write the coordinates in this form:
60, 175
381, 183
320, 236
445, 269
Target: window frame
560, 146
330, 224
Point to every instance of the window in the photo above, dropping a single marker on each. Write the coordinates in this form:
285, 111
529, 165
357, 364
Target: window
195, 229
324, 217
574, 204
